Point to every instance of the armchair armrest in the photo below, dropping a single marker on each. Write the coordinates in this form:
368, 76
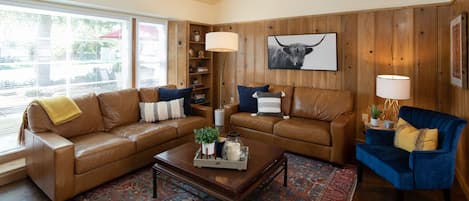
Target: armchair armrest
50, 163
230, 109
433, 169
379, 137
203, 111
343, 135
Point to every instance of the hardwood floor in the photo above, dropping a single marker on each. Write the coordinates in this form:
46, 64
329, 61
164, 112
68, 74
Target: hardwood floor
372, 188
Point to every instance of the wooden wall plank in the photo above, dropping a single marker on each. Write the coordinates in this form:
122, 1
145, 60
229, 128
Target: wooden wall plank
260, 56
426, 58
334, 79
349, 52
403, 46
366, 66
443, 95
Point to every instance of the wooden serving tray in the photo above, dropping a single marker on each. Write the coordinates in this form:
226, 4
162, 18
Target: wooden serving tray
213, 162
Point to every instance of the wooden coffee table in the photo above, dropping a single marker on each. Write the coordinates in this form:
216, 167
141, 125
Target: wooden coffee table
264, 164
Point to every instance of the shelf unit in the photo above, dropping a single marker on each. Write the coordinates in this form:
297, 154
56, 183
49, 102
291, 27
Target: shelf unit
187, 70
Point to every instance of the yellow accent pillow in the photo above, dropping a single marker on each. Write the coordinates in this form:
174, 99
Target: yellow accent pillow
409, 138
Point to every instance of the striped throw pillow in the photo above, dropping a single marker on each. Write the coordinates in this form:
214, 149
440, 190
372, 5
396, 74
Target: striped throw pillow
163, 110
269, 103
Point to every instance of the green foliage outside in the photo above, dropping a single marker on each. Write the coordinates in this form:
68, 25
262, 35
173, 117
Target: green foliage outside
206, 135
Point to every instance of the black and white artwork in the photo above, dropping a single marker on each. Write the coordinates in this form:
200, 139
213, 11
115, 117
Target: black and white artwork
303, 52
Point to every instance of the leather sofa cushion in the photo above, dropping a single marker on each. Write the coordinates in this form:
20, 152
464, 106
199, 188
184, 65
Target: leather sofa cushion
119, 107
259, 123
97, 149
145, 135
320, 104
307, 130
186, 126
89, 121
152, 94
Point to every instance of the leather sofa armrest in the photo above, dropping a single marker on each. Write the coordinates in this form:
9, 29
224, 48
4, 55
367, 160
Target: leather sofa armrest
203, 111
50, 163
343, 137
230, 109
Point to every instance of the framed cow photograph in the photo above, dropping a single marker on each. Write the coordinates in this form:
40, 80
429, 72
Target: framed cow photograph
303, 52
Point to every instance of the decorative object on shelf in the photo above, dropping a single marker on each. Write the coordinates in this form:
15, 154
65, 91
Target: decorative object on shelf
201, 54
374, 112
219, 146
206, 137
191, 52
195, 81
303, 52
202, 69
196, 36
393, 88
232, 148
192, 69
221, 42
459, 51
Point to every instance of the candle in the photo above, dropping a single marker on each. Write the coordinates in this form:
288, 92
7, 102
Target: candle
233, 151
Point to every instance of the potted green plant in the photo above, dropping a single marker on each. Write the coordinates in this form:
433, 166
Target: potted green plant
206, 137
375, 112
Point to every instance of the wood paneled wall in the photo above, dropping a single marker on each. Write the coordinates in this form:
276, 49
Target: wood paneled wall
458, 99
409, 41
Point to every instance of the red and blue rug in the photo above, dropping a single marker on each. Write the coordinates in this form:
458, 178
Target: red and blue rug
308, 179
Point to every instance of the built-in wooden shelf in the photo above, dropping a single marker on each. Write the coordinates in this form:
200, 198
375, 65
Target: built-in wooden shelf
195, 42
199, 73
200, 88
200, 58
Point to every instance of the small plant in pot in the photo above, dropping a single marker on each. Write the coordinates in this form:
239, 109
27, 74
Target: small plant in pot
207, 137
375, 112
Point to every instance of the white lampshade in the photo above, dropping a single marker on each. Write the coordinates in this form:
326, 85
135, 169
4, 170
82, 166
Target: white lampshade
394, 87
221, 42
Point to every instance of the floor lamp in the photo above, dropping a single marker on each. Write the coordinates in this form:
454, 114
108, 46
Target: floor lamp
392, 88
221, 42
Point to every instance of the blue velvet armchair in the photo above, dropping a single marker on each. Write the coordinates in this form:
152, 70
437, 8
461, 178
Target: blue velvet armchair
418, 169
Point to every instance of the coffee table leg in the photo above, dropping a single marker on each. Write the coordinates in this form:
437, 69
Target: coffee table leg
155, 183
285, 171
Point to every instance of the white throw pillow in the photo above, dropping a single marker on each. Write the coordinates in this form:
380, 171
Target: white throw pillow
163, 110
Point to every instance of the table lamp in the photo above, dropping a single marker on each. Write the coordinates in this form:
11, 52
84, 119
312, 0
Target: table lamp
221, 42
392, 88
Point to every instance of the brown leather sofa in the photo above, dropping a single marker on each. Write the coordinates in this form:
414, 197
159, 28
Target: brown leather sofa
321, 124
105, 142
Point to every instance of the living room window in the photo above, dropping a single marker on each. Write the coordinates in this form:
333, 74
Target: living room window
151, 53
48, 52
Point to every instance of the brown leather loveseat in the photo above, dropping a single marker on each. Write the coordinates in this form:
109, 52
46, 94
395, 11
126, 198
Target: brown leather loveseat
321, 124
105, 142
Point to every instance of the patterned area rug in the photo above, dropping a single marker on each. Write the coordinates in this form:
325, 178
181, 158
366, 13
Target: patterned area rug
308, 179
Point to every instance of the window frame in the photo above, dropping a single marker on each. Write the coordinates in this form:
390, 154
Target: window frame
137, 44
132, 20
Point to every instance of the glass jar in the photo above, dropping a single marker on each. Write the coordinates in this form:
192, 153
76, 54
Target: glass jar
232, 150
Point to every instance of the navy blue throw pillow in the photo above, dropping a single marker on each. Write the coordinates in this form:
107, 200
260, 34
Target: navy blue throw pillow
171, 94
246, 102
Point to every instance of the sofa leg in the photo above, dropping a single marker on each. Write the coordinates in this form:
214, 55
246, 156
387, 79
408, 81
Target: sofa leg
359, 172
447, 194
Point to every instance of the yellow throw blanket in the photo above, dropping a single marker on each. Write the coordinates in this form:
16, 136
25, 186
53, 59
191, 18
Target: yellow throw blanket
60, 109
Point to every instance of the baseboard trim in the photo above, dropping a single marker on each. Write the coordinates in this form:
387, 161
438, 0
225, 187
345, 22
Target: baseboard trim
462, 182
12, 176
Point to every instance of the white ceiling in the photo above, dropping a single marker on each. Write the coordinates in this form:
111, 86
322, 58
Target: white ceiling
227, 11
